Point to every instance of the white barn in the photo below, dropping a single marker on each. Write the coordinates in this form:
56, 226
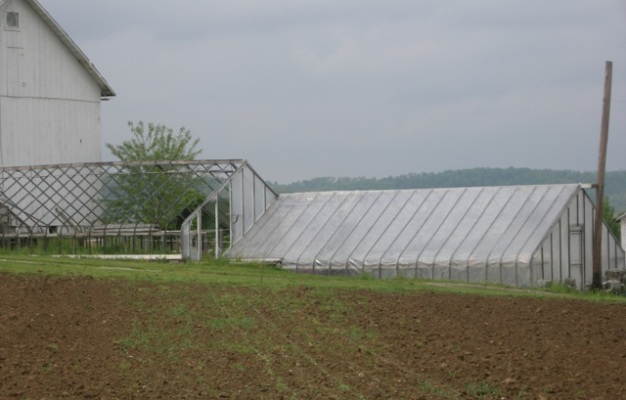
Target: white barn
50, 93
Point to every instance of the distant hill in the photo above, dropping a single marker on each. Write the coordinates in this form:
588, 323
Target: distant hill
615, 181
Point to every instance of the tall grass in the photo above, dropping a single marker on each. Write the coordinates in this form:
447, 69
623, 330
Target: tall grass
225, 272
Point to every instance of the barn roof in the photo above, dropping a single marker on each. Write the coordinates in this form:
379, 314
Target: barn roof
406, 229
106, 90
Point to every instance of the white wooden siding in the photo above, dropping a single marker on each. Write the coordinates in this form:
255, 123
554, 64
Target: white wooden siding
60, 134
49, 103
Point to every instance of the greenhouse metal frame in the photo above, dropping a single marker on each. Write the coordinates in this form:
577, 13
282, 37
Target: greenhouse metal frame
114, 207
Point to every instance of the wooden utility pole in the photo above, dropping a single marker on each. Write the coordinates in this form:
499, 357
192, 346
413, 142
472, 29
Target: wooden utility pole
604, 139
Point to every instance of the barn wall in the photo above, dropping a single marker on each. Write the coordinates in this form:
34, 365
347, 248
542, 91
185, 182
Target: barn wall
49, 104
61, 133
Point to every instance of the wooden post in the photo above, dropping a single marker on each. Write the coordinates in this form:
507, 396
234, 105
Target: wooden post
604, 139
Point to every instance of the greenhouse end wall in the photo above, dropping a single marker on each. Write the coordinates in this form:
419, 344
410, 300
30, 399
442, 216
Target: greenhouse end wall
566, 254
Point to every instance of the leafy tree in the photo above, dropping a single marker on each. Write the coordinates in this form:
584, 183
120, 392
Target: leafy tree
149, 189
608, 215
159, 143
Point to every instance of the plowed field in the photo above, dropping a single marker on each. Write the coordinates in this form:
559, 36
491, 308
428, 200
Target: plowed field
83, 338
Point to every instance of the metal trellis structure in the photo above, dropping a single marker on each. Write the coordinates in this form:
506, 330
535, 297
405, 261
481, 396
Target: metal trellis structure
112, 207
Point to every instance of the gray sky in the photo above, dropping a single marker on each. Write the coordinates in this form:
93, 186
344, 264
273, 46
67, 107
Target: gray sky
363, 88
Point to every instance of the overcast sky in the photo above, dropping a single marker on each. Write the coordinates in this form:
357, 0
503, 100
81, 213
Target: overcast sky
312, 88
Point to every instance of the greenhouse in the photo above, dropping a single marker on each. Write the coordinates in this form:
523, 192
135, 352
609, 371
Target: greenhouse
515, 235
519, 235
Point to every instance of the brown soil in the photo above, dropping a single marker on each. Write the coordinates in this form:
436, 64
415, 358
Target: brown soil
81, 338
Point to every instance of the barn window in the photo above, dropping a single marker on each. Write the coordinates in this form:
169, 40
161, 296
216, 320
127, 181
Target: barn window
13, 19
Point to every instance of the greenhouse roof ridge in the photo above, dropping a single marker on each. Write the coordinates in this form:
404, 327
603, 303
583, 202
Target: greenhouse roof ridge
580, 185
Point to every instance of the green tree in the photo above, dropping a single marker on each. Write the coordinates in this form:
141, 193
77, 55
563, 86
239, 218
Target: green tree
608, 215
158, 143
150, 188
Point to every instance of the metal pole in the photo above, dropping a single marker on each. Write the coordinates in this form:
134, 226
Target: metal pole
604, 138
217, 227
199, 236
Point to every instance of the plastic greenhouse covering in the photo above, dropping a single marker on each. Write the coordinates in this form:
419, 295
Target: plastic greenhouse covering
517, 235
